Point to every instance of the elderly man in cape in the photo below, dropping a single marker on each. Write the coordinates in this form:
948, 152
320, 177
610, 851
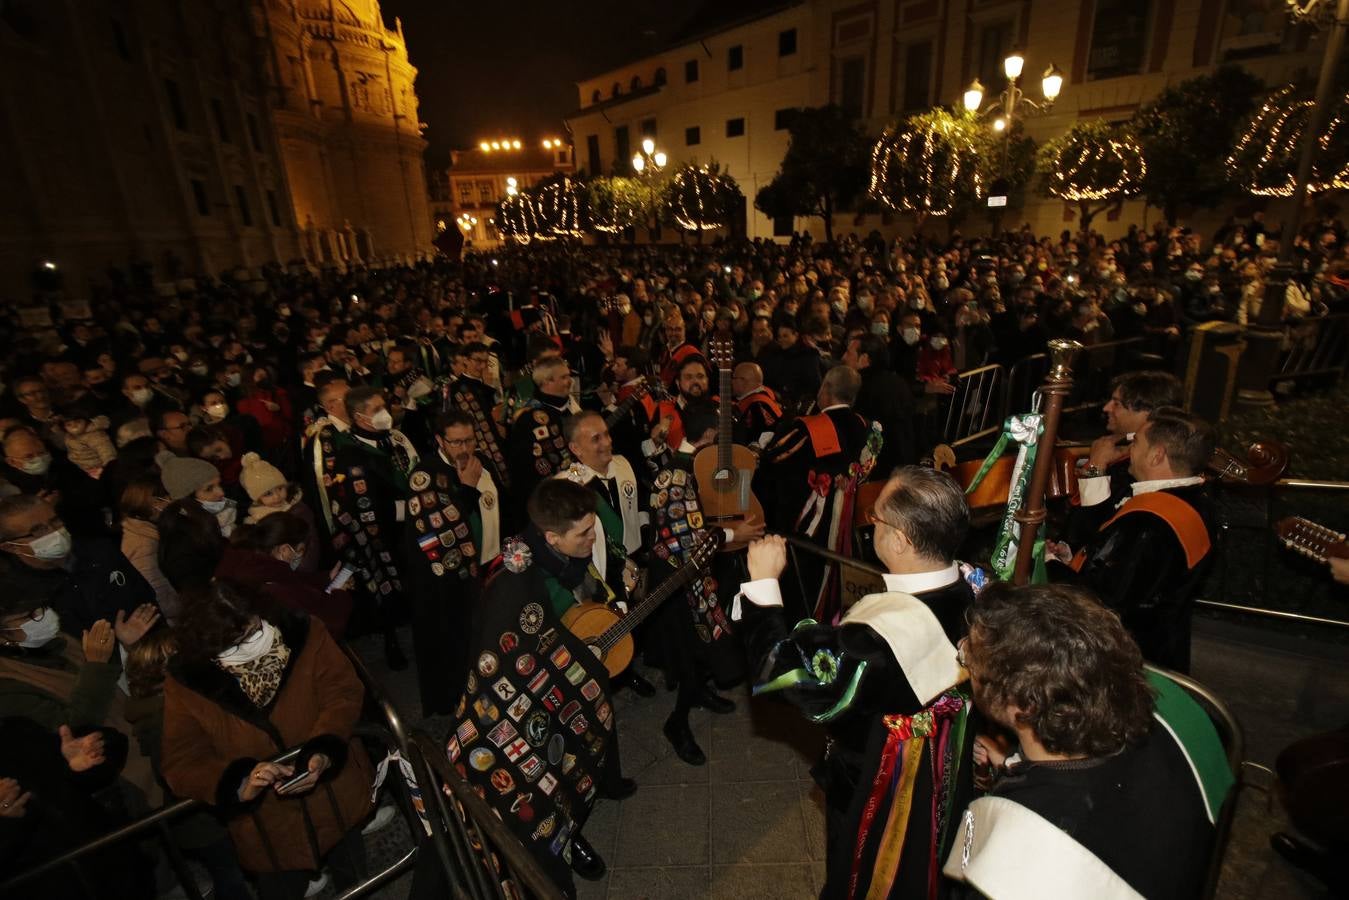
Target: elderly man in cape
897, 768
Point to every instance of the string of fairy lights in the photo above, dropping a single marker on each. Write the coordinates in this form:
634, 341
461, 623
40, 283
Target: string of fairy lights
1264, 159
698, 198
924, 165
1085, 169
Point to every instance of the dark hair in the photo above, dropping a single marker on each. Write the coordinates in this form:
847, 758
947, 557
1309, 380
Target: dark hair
201, 437
1065, 662
271, 532
557, 504
216, 617
698, 417
1146, 391
931, 510
637, 357
1187, 439
874, 348
452, 418
190, 544
358, 397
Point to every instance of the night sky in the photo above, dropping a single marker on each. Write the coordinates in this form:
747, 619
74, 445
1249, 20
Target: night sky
510, 67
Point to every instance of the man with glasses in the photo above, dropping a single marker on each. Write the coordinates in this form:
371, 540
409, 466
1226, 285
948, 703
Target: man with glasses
470, 394
454, 517
883, 681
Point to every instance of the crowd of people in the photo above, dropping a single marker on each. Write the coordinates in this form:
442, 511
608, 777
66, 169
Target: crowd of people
208, 485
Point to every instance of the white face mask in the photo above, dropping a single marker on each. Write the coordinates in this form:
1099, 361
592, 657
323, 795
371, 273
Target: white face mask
938, 343
256, 645
52, 546
215, 411
141, 396
38, 465
881, 328
382, 420
215, 506
41, 630
910, 336
233, 379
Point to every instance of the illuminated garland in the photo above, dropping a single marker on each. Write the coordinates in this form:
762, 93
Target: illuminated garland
928, 164
608, 212
558, 210
1264, 160
699, 199
1092, 162
516, 218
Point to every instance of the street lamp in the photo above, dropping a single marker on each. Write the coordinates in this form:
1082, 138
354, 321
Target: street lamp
648, 158
512, 187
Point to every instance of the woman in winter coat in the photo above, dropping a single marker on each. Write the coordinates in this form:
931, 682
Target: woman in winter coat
242, 689
141, 502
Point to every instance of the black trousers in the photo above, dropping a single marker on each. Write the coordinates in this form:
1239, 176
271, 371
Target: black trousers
346, 861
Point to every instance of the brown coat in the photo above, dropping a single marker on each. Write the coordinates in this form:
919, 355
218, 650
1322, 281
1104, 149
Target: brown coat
214, 736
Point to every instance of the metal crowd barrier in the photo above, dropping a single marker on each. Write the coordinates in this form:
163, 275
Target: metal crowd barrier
976, 408
1317, 347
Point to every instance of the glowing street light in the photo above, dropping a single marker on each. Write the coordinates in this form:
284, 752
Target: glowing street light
484, 146
1012, 65
974, 96
516, 144
1052, 83
659, 159
639, 163
648, 146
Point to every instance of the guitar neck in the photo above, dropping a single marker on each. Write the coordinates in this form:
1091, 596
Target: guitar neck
639, 613
725, 422
622, 409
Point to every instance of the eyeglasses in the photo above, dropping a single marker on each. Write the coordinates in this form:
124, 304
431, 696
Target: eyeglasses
460, 443
961, 659
877, 520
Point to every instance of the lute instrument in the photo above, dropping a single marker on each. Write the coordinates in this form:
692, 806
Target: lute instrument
724, 470
608, 634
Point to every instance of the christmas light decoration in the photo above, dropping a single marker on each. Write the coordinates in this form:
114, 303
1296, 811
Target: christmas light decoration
699, 199
1094, 161
927, 164
557, 206
615, 204
1264, 160
516, 219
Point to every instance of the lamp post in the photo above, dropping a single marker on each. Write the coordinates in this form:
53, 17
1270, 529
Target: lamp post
648, 163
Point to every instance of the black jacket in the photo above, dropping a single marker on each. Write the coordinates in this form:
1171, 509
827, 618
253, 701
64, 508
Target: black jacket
884, 397
96, 582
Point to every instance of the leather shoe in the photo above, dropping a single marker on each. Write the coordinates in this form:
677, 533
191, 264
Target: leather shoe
586, 860
619, 789
393, 653
713, 702
639, 685
685, 747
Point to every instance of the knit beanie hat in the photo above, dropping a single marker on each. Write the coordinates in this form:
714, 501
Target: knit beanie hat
259, 476
182, 475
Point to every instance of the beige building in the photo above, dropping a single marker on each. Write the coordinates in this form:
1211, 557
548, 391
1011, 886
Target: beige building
204, 136
725, 89
479, 178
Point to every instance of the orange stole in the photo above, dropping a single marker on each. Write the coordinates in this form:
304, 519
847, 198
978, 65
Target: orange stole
1184, 520
823, 435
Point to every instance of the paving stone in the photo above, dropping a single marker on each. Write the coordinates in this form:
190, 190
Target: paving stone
758, 823
663, 883
664, 825
796, 881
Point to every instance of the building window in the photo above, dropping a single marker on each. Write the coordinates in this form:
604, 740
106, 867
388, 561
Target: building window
917, 73
595, 96
245, 214
273, 209
782, 119
787, 42
1119, 39
852, 83
485, 191
995, 42
465, 194
119, 40
691, 71
659, 79
636, 84
199, 195
593, 153
693, 136
648, 127
221, 125
735, 127
622, 149
735, 58
176, 109
254, 136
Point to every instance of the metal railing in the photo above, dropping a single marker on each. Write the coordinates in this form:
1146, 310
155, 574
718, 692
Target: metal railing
977, 405
1317, 347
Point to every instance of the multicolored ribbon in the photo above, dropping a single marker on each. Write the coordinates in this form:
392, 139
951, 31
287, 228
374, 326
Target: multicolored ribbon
1025, 431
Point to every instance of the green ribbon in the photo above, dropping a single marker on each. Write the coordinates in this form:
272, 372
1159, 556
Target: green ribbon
1025, 431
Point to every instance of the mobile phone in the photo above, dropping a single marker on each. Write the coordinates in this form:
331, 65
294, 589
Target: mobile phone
343, 576
290, 783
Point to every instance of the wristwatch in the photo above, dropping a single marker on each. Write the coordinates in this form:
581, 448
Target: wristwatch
1091, 472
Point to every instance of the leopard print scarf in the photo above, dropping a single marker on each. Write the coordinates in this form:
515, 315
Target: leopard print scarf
260, 679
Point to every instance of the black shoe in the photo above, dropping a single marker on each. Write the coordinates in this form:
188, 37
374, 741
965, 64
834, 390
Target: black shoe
685, 747
713, 702
585, 860
638, 685
393, 653
619, 789
1304, 856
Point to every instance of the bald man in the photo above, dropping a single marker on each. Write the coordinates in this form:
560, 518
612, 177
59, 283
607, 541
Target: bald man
757, 411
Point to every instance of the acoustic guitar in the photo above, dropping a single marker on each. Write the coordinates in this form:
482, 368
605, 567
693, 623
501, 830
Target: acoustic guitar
724, 471
609, 634
620, 412
1312, 540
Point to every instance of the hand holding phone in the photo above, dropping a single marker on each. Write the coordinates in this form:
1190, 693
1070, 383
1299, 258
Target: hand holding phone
305, 780
340, 579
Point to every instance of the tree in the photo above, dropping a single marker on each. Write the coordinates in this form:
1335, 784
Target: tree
618, 203
1265, 158
931, 164
558, 206
703, 198
823, 171
1095, 165
1185, 132
516, 219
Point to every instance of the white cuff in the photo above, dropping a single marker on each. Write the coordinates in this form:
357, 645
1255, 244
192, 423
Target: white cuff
650, 448
727, 535
761, 592
400, 510
1093, 491
764, 439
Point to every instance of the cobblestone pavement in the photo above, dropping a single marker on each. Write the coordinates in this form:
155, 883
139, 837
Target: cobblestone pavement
750, 823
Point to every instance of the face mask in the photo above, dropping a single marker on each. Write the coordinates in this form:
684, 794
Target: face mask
1141, 309
1192, 275
941, 284
53, 546
839, 306
938, 343
865, 303
910, 336
253, 647
646, 320
38, 465
141, 396
233, 379
215, 506
283, 311
382, 420
180, 355
295, 559
216, 411
709, 315
755, 293
1016, 277
881, 328
200, 371
41, 630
